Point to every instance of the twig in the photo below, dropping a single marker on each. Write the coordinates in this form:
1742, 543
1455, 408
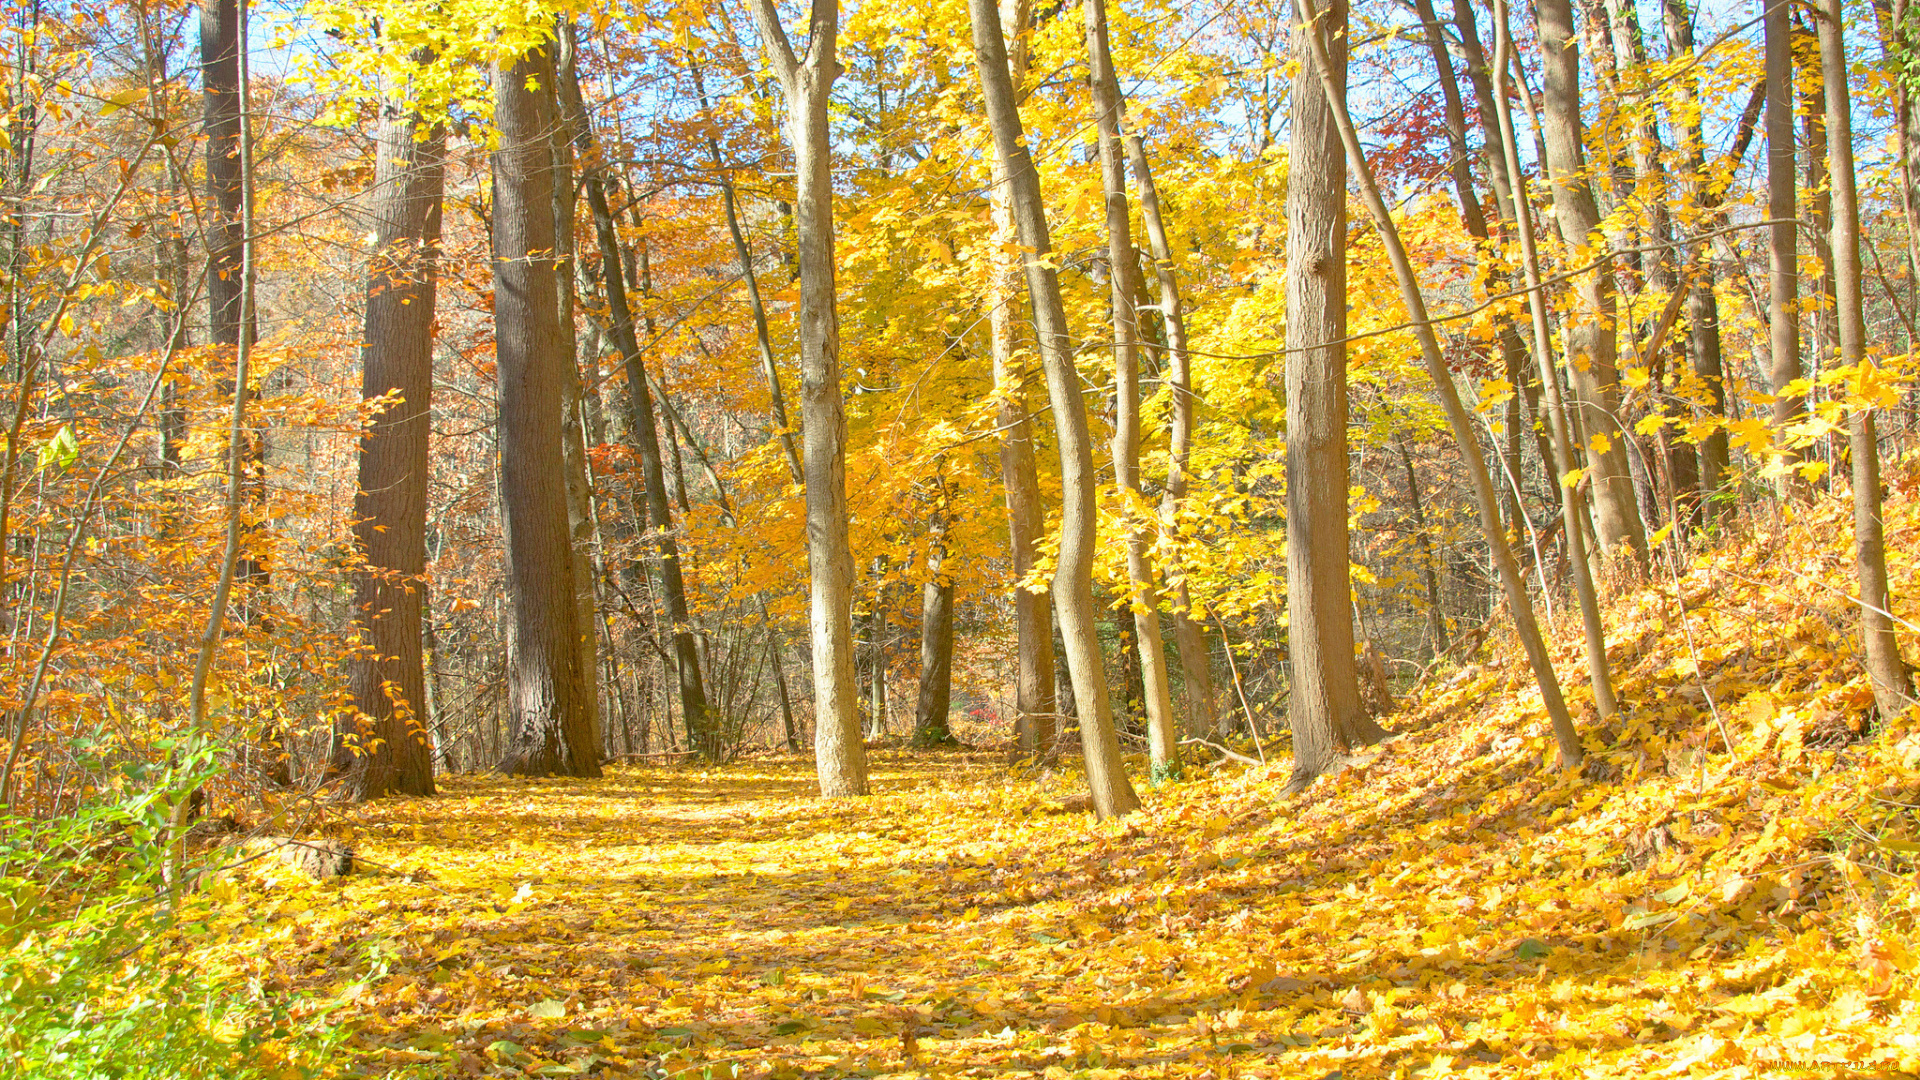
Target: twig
1234, 754
1240, 691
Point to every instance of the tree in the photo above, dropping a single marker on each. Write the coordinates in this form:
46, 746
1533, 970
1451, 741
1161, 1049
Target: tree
1123, 269
1703, 306
936, 634
1112, 793
1323, 706
1892, 683
1783, 312
550, 719
840, 758
642, 431
383, 744
1591, 341
1572, 502
1035, 702
1413, 298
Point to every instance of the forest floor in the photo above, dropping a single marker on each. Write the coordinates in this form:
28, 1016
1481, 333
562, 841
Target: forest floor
1727, 890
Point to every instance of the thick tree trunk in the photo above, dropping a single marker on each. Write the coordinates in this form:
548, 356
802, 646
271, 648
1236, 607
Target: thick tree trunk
1892, 683
642, 431
1591, 330
1526, 628
1107, 781
840, 758
1034, 696
550, 718
580, 525
1163, 737
1324, 707
383, 747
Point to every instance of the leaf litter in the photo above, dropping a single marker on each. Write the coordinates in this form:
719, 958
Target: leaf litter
1731, 897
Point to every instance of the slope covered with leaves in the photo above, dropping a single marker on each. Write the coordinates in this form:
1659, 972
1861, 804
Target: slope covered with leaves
1728, 890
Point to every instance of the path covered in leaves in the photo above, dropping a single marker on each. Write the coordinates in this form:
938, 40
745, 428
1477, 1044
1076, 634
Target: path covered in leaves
664, 922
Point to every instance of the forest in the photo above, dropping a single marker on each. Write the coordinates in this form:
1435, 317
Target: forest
1117, 538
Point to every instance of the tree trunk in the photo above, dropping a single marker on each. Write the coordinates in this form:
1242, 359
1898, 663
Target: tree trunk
1572, 504
1703, 307
1034, 695
1892, 683
840, 757
1591, 331
642, 431
1323, 707
580, 530
1112, 793
383, 747
936, 638
1196, 664
1898, 44
228, 315
1163, 737
1783, 314
551, 720
1513, 350
762, 336
1436, 617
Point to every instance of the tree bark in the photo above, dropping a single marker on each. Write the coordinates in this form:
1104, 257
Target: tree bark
1163, 737
550, 720
580, 525
1590, 332
1112, 793
1323, 707
840, 758
383, 746
1892, 683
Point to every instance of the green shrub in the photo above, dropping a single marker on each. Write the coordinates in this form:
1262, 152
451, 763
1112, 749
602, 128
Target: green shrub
82, 897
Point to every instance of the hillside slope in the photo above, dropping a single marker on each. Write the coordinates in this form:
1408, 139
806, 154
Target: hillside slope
1728, 890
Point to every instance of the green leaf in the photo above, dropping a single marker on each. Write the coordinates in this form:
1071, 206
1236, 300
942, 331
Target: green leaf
62, 450
548, 1010
1532, 949
789, 1027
